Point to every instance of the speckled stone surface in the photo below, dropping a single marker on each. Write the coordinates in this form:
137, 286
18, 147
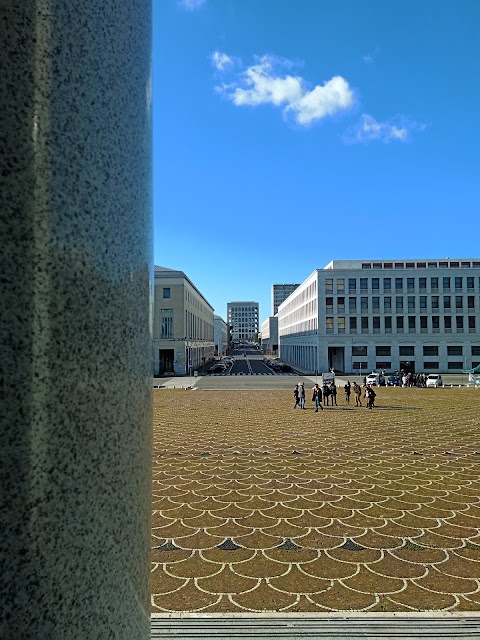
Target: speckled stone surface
75, 223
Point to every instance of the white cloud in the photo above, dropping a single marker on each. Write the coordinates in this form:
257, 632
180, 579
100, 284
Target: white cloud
368, 129
191, 5
221, 61
262, 84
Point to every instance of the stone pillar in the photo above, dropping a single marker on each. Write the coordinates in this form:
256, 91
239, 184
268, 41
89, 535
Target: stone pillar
75, 284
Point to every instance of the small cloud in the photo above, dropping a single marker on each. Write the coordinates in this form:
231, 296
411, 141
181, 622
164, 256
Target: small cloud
191, 5
263, 83
368, 130
221, 60
369, 58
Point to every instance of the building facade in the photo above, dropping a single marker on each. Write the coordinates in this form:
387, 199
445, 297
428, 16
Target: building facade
242, 318
182, 324
362, 315
220, 335
269, 335
280, 293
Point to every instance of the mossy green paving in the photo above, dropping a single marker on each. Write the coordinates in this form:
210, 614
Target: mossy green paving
259, 507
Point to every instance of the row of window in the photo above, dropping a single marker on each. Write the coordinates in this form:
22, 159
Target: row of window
431, 264
409, 350
425, 323
412, 302
431, 365
401, 284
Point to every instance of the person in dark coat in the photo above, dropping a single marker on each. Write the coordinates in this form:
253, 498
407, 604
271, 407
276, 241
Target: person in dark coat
317, 397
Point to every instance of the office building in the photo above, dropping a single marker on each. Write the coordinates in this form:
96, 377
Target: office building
363, 315
220, 335
269, 335
243, 320
182, 324
280, 292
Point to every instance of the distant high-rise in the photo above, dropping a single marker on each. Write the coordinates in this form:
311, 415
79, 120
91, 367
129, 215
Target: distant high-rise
280, 292
243, 320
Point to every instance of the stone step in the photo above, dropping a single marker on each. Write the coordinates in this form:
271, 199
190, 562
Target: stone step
433, 626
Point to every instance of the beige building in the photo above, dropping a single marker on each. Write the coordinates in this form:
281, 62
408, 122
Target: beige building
182, 324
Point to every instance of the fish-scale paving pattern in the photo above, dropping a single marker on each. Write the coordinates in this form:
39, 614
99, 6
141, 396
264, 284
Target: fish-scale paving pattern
257, 507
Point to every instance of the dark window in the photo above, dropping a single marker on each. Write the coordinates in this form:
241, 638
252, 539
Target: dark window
435, 322
458, 302
375, 283
423, 302
363, 284
353, 324
435, 302
434, 284
400, 323
383, 365
387, 303
352, 284
430, 365
364, 304
458, 282
455, 364
352, 304
399, 302
376, 322
359, 351
475, 349
341, 301
407, 350
471, 322
398, 284
375, 302
470, 282
360, 365
410, 284
459, 322
447, 321
446, 284
388, 323
364, 323
329, 303
422, 284
411, 322
387, 284
411, 302
166, 292
471, 302
456, 350
329, 285
447, 302
423, 322
430, 350
383, 351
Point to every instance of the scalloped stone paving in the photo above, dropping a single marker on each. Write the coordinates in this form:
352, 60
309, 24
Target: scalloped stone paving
260, 508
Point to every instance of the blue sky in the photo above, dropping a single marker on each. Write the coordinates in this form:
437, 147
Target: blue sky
287, 133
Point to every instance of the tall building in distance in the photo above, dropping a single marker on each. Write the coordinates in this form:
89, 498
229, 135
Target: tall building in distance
420, 315
280, 293
243, 320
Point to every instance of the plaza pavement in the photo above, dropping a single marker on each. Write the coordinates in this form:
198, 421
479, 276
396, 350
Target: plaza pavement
261, 508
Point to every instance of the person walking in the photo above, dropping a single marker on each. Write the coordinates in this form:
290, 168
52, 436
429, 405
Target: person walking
333, 393
301, 395
295, 396
317, 397
348, 390
357, 390
370, 396
326, 393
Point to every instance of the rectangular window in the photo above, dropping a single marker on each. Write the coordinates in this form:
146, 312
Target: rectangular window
423, 302
329, 324
352, 304
422, 284
352, 285
458, 283
387, 303
328, 285
435, 324
399, 303
359, 351
435, 302
376, 302
340, 285
388, 324
341, 304
430, 365
363, 284
411, 323
411, 303
447, 323
459, 322
447, 303
458, 302
166, 292
398, 284
471, 323
383, 351
387, 284
407, 350
400, 324
364, 324
455, 350
383, 364
471, 302
360, 365
353, 325
410, 284
475, 349
375, 284
166, 324
455, 364
376, 324
364, 304
434, 284
470, 282
329, 304
423, 323
430, 350
446, 284
341, 324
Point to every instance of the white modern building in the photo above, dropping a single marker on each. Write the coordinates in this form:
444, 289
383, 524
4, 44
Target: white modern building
269, 335
182, 324
243, 320
220, 335
363, 315
280, 293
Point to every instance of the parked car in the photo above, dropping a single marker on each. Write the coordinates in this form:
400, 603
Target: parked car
434, 380
394, 381
372, 379
217, 368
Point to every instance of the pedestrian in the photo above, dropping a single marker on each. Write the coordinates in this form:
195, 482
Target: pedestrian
301, 395
295, 396
348, 389
326, 393
333, 393
317, 397
370, 396
357, 390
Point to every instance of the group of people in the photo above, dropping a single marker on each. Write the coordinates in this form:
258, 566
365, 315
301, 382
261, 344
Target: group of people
322, 395
414, 380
